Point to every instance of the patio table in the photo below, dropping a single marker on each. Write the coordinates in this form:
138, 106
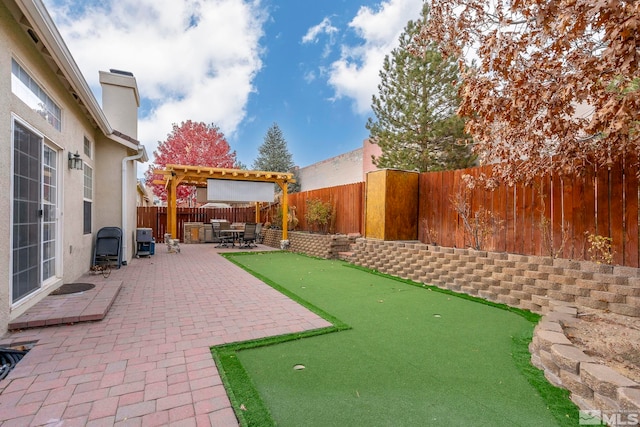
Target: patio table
235, 233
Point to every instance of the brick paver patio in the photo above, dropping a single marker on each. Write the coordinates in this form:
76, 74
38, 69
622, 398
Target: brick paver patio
147, 363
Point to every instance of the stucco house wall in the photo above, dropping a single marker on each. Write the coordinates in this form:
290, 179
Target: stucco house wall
347, 168
29, 37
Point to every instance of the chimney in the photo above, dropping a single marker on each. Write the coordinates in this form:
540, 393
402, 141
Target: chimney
120, 101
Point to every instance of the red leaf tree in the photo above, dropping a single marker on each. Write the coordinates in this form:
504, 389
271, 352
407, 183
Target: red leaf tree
192, 144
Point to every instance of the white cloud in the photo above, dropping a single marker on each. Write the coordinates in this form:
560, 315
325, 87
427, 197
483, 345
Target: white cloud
314, 32
193, 59
355, 74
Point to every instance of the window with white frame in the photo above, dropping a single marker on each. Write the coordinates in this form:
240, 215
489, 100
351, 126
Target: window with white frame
88, 198
87, 147
30, 92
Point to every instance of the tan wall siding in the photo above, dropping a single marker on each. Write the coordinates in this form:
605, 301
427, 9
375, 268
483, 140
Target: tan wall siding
75, 249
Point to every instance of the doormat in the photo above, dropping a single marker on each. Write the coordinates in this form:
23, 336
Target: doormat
72, 288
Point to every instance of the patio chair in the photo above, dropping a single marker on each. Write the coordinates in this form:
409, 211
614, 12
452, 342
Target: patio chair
249, 236
222, 238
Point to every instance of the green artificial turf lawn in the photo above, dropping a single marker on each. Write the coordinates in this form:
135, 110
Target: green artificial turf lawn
413, 357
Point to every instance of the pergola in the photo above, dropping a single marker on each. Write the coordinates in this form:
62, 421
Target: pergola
175, 175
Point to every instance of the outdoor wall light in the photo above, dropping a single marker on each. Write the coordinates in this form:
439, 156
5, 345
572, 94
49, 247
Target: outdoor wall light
75, 162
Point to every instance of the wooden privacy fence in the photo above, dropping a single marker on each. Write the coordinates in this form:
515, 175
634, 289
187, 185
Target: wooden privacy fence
553, 215
347, 200
155, 217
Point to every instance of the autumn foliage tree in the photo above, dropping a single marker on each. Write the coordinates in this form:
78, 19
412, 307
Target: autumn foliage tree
554, 82
193, 144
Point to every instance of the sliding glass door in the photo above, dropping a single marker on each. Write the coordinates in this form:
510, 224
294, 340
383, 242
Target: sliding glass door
35, 199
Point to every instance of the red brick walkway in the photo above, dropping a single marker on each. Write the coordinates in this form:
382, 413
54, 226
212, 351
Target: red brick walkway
147, 363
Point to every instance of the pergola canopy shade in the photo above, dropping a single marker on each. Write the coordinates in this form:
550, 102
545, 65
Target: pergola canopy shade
174, 175
227, 190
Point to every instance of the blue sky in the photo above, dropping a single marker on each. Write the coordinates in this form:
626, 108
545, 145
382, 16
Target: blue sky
311, 66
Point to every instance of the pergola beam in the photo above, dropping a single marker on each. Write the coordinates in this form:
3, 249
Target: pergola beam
175, 175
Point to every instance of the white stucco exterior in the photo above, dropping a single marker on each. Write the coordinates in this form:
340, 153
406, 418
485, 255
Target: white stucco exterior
347, 168
29, 38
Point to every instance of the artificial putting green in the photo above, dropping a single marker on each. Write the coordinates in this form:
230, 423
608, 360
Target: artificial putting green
413, 356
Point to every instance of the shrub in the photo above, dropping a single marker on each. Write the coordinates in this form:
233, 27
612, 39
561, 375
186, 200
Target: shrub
320, 215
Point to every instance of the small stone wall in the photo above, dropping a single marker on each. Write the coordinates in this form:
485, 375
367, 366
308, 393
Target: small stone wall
593, 386
527, 282
317, 245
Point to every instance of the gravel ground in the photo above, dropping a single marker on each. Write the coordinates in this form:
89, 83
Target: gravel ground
612, 339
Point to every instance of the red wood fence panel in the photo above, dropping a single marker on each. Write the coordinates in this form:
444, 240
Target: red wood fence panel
553, 214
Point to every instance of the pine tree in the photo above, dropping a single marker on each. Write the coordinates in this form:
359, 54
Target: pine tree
273, 155
417, 127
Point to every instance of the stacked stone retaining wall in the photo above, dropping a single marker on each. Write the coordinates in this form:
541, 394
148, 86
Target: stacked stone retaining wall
527, 282
316, 245
593, 386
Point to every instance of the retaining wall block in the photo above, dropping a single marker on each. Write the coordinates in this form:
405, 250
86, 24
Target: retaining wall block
518, 258
629, 398
633, 301
522, 296
566, 263
579, 274
505, 263
605, 403
546, 339
603, 380
553, 378
562, 279
509, 300
537, 275
545, 325
512, 286
591, 303
551, 269
540, 260
561, 296
524, 281
595, 267
610, 279
547, 360
607, 296
499, 290
469, 290
569, 357
541, 300
573, 383
535, 360
620, 270
487, 294
533, 290
574, 290
591, 284
624, 309
627, 290
528, 305
582, 403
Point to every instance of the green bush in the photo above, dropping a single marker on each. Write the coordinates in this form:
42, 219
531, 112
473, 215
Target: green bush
320, 215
